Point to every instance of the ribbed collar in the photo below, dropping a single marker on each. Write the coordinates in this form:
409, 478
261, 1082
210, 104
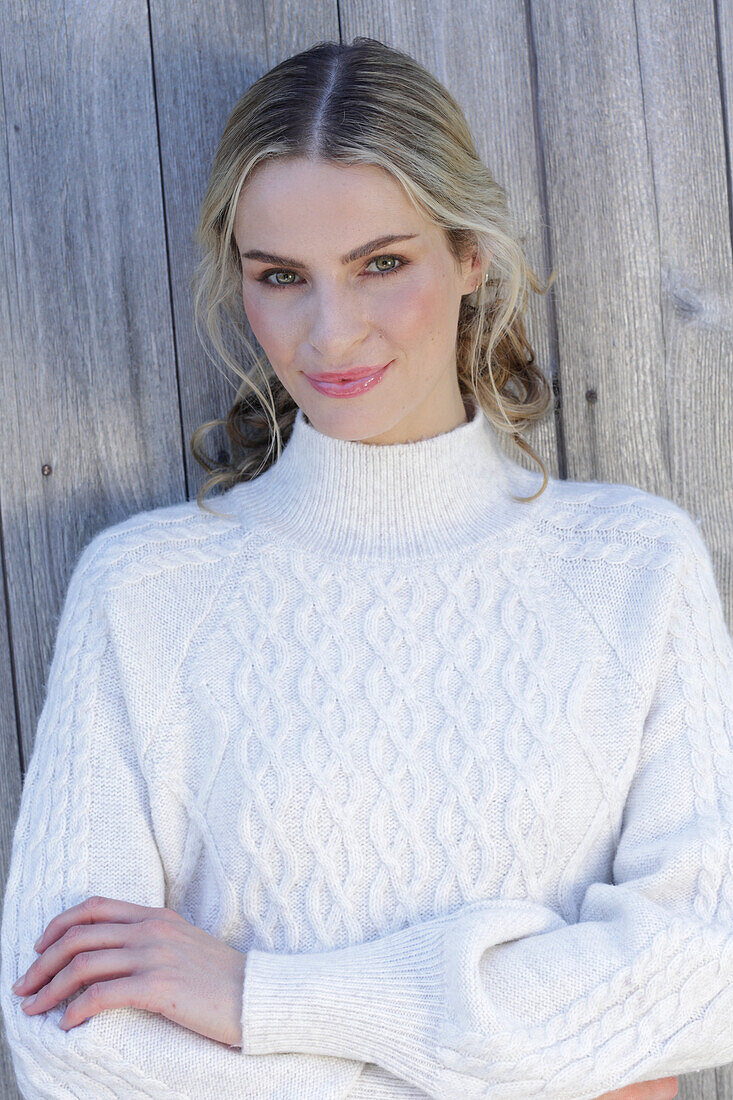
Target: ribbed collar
346, 499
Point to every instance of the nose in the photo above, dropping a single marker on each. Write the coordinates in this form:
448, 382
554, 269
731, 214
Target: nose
336, 323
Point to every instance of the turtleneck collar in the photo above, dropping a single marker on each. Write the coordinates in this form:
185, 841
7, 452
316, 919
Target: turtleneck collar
347, 499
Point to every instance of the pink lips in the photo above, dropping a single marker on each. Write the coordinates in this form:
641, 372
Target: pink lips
350, 388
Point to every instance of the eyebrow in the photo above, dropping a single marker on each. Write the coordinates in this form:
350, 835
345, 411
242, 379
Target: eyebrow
356, 254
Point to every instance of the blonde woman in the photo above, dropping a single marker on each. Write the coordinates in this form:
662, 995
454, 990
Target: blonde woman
404, 770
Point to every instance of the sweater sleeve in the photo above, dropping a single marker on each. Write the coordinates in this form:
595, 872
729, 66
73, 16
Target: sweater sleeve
84, 828
504, 998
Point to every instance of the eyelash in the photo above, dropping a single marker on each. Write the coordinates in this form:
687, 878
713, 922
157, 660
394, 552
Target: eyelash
264, 277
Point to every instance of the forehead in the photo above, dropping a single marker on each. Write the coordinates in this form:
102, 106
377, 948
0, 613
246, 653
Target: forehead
296, 203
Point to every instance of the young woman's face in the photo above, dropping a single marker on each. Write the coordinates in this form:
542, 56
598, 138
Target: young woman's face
314, 310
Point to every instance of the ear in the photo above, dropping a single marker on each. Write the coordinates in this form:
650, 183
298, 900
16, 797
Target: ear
472, 273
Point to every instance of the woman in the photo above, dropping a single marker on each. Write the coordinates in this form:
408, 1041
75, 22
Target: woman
397, 773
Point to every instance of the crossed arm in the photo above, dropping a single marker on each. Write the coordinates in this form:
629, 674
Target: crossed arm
107, 953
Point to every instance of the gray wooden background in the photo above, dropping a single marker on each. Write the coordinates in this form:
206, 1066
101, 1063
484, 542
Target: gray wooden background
608, 123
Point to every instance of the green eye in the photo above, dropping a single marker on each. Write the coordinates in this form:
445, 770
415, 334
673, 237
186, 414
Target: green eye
266, 275
378, 258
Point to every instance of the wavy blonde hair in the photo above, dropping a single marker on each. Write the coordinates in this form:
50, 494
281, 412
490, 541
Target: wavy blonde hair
365, 103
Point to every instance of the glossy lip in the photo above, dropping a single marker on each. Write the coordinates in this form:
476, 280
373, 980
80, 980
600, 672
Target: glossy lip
351, 388
345, 375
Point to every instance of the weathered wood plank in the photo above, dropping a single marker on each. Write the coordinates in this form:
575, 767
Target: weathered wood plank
89, 378
91, 375
640, 230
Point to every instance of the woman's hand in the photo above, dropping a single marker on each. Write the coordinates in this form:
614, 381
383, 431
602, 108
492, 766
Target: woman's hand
662, 1089
141, 957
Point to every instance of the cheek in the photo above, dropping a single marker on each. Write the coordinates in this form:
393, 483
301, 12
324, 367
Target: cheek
267, 323
408, 310
420, 313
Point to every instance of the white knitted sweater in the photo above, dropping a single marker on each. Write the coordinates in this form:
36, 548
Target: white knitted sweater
455, 771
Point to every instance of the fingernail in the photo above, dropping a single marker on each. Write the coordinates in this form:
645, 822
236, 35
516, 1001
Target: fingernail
37, 944
28, 1001
16, 985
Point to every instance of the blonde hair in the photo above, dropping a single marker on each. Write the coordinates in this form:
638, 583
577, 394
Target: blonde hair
366, 103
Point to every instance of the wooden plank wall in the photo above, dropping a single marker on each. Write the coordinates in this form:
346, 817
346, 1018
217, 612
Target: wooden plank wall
610, 126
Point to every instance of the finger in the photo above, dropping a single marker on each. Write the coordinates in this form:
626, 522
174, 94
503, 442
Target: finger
666, 1088
84, 969
79, 938
127, 992
94, 909
663, 1088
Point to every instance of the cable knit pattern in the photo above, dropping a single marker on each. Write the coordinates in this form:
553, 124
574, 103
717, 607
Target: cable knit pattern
454, 770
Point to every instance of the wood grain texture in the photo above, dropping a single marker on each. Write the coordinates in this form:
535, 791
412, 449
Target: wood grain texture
638, 182
89, 375
609, 126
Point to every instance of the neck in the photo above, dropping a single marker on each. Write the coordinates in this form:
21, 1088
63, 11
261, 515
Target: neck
347, 499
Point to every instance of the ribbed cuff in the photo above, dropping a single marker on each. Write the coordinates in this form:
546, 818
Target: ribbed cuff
379, 1001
